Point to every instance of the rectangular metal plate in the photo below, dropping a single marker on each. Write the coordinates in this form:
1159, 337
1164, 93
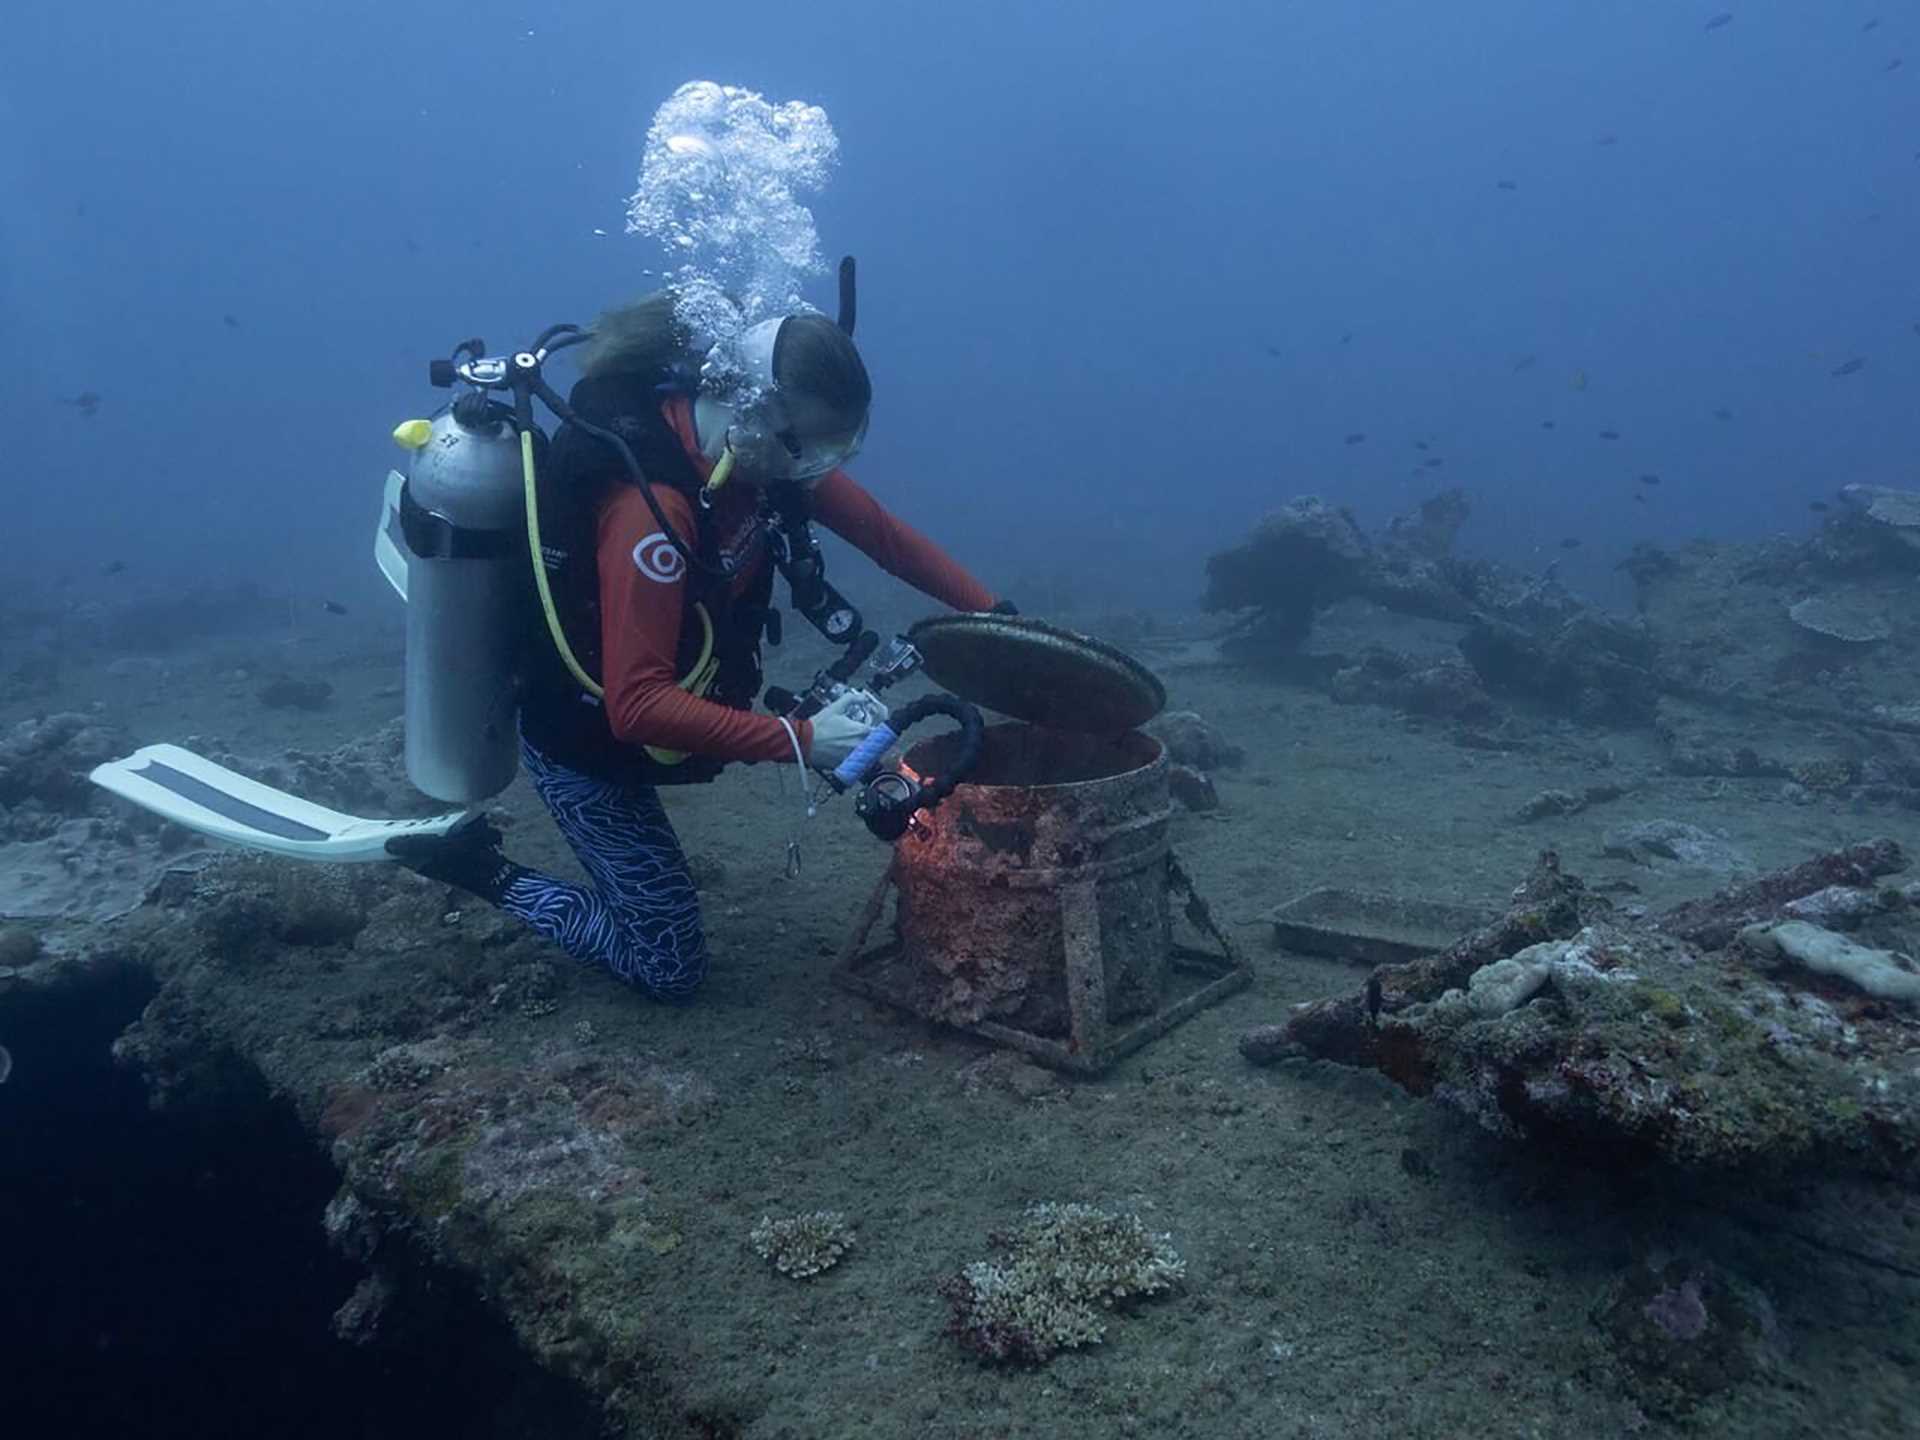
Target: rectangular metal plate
1370, 929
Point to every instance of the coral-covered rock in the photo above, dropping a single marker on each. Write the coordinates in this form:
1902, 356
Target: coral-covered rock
1192, 788
1191, 741
1649, 842
1595, 668
47, 761
1445, 690
250, 907
1682, 1332
1301, 556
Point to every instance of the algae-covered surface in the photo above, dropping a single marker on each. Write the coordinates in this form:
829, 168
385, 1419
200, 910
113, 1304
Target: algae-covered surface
1354, 1261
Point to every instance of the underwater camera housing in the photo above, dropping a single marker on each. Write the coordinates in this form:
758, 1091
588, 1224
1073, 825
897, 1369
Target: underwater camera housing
889, 800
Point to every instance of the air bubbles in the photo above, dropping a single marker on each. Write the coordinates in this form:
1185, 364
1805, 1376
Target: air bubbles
720, 190
691, 145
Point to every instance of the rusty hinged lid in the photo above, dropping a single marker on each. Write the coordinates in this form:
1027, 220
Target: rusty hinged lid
1038, 673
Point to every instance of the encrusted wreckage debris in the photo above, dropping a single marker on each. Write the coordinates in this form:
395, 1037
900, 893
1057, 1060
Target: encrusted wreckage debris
1657, 1038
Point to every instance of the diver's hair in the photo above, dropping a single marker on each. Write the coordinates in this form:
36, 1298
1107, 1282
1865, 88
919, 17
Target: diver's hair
645, 339
815, 357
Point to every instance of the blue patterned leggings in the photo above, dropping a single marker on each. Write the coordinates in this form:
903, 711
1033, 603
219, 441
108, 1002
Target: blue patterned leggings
641, 919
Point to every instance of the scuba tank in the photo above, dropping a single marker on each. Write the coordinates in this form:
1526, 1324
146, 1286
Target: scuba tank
463, 519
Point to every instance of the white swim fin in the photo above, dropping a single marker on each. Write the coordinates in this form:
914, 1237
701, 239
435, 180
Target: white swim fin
225, 805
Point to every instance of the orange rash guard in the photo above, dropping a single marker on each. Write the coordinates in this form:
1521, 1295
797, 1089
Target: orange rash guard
641, 604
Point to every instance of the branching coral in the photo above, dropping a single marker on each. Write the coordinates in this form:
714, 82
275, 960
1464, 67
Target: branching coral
804, 1245
1064, 1267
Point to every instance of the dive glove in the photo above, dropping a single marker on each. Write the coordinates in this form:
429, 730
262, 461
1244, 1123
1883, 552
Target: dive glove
839, 728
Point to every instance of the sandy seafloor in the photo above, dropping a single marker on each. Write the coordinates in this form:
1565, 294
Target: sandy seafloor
1359, 1263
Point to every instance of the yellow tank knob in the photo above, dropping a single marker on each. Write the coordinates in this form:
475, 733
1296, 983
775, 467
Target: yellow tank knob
412, 434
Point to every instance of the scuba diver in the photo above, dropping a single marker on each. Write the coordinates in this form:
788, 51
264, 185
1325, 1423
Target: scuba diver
657, 594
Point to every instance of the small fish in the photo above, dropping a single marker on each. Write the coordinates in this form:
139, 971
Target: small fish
1546, 425
1722, 413
1649, 479
1641, 496
1274, 351
1894, 64
1850, 367
1579, 380
86, 402
1346, 337
1873, 24
1606, 138
1819, 507
1572, 542
114, 567
1524, 362
1356, 437
1421, 444
333, 607
1609, 434
1506, 184
1432, 462
1724, 18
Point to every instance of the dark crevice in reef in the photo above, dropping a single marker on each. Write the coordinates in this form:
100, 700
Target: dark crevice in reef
166, 1274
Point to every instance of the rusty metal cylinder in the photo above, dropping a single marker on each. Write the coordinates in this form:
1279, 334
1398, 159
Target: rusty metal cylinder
1050, 862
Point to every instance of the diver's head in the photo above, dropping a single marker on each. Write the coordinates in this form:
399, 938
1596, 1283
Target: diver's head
789, 396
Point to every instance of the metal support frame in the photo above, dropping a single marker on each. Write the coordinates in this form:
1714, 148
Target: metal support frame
1093, 1043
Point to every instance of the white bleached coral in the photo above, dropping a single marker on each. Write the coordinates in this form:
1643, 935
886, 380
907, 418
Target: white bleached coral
1879, 973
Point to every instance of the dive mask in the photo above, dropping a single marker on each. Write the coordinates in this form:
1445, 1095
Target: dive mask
773, 434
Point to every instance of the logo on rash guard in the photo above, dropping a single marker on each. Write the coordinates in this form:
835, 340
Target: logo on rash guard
656, 558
